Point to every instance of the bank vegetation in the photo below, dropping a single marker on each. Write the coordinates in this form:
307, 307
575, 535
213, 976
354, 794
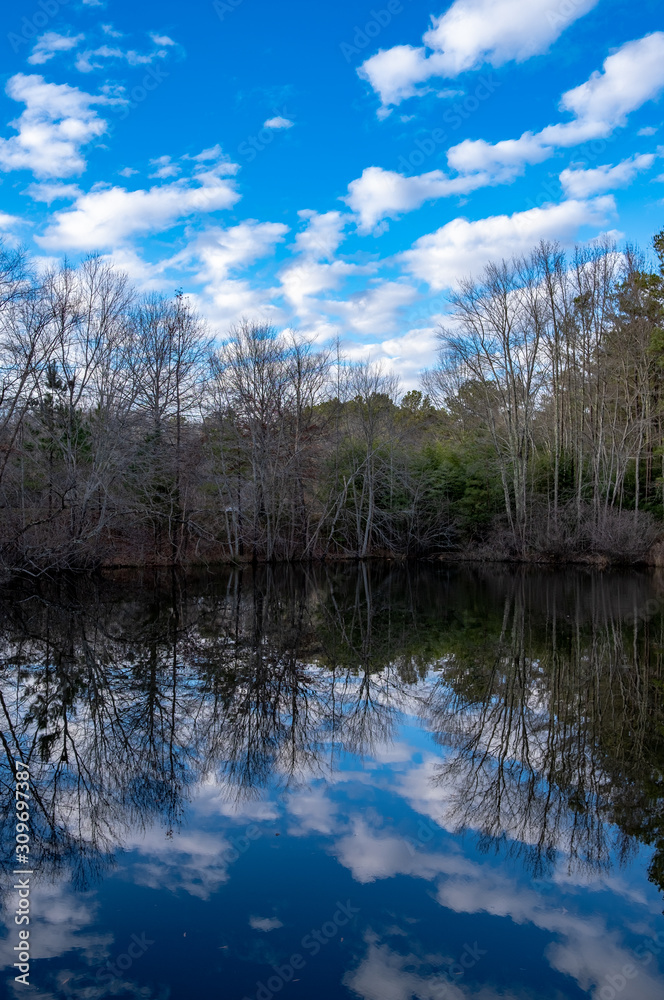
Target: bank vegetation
130, 435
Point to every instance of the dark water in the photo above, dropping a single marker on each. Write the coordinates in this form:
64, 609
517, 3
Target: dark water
381, 783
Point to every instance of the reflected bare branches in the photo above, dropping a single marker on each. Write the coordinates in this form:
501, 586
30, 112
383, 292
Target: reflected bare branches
543, 692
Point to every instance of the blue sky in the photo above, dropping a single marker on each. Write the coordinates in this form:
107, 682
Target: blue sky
331, 167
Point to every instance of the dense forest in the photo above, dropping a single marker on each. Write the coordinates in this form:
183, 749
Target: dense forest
130, 434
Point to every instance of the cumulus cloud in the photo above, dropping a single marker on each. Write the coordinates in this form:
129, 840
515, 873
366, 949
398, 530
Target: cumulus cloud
305, 279
629, 78
265, 923
145, 276
221, 251
582, 183
49, 193
220, 254
376, 309
409, 354
164, 167
57, 122
49, 44
468, 35
313, 811
7, 220
462, 247
161, 39
380, 194
196, 862
322, 235
106, 217
501, 160
278, 122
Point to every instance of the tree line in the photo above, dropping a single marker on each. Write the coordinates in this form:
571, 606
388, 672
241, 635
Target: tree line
129, 435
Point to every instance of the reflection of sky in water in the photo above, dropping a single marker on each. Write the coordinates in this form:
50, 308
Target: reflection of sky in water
245, 822
233, 893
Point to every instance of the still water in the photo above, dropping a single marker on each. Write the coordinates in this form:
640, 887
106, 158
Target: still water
380, 782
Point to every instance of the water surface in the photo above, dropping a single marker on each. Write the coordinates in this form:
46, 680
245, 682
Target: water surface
379, 782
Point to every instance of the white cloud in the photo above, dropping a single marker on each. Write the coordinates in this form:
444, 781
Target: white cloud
372, 855
322, 235
265, 923
195, 861
48, 44
313, 810
374, 310
629, 78
127, 172
395, 74
468, 35
380, 194
107, 217
462, 247
7, 220
220, 253
501, 160
227, 302
144, 275
647, 131
408, 354
92, 59
213, 153
384, 974
278, 122
582, 183
63, 921
164, 167
53, 192
307, 278
57, 121
161, 39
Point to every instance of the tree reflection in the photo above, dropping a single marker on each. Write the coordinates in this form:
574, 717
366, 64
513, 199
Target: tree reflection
125, 693
555, 722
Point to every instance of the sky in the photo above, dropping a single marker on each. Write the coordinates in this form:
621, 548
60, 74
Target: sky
337, 167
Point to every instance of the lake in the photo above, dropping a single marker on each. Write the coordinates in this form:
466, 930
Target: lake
381, 782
